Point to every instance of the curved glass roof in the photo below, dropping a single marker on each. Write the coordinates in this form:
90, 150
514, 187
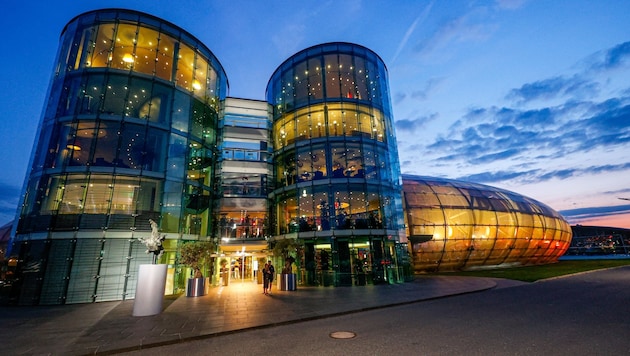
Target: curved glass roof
455, 225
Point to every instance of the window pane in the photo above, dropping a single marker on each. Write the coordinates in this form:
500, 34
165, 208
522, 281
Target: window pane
185, 66
146, 51
106, 144
332, 76
315, 79
164, 64
181, 112
115, 95
102, 47
177, 157
346, 76
123, 56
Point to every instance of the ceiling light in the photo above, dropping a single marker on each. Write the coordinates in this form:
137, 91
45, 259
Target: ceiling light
128, 58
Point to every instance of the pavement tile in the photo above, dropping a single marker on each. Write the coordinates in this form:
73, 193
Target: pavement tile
109, 327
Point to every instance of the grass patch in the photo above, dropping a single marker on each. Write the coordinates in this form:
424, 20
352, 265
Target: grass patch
534, 273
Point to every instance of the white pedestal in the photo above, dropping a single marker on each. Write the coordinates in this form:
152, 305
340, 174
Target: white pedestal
150, 290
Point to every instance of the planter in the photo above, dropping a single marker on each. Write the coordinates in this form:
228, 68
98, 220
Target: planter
225, 277
206, 290
149, 290
195, 287
287, 281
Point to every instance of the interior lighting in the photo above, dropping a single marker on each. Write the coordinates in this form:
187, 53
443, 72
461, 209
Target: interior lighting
128, 58
196, 85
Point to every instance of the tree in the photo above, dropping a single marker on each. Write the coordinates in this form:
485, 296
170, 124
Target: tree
284, 248
196, 254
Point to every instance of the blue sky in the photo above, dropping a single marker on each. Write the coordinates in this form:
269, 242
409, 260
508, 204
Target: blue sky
530, 96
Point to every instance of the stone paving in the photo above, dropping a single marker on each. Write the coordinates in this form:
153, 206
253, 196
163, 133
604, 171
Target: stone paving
110, 328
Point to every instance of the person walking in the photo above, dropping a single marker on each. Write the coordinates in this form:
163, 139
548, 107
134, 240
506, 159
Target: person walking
271, 274
237, 270
265, 273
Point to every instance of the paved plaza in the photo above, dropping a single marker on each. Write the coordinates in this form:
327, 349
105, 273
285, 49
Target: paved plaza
109, 327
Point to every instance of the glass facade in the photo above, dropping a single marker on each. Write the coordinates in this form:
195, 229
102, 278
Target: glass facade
336, 171
454, 225
128, 134
244, 169
137, 126
242, 184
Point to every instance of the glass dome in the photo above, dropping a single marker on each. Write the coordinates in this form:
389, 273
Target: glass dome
455, 225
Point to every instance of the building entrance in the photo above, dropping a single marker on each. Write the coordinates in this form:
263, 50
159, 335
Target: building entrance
240, 268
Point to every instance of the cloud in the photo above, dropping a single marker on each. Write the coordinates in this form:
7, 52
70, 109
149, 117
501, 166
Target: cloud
583, 84
490, 177
592, 212
612, 116
510, 4
590, 170
519, 118
403, 42
421, 94
536, 142
463, 29
559, 174
487, 137
552, 88
406, 163
493, 157
413, 125
609, 125
540, 175
620, 191
399, 97
295, 27
493, 133
611, 58
607, 168
289, 39
574, 126
430, 86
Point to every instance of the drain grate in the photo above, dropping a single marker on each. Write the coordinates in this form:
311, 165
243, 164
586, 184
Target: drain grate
342, 335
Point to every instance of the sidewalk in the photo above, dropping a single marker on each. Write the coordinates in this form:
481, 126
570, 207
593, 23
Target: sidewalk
109, 327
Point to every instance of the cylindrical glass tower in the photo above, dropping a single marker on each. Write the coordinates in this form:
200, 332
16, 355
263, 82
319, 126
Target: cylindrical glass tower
337, 177
127, 135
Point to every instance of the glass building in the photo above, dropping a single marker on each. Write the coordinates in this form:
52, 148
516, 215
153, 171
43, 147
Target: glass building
128, 134
337, 185
455, 225
138, 128
243, 173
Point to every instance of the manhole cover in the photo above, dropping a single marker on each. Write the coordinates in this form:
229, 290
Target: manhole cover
342, 335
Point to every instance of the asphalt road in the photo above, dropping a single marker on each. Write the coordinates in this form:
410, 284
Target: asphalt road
583, 314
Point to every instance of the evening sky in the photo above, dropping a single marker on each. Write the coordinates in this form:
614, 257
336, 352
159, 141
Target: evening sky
529, 96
